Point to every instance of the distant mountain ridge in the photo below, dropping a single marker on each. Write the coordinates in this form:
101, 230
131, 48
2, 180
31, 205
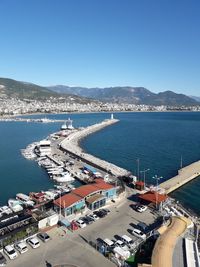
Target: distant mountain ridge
128, 94
24, 90
197, 98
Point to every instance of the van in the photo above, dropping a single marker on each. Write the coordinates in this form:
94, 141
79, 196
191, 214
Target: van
109, 243
127, 240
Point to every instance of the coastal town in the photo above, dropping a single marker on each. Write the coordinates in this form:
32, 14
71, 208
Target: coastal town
109, 217
15, 106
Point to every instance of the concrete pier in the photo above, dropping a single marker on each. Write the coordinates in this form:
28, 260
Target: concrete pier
184, 176
71, 145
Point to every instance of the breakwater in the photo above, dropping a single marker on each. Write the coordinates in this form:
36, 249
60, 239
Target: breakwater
71, 145
184, 176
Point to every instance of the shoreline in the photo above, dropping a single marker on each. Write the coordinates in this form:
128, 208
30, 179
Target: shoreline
93, 112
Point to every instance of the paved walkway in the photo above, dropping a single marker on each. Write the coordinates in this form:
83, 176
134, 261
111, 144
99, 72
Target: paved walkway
184, 176
164, 247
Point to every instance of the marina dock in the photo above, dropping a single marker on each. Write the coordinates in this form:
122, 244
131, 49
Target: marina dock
71, 145
184, 176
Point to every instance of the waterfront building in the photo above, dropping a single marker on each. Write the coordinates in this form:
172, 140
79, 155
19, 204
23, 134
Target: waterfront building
108, 190
69, 204
92, 196
43, 148
153, 197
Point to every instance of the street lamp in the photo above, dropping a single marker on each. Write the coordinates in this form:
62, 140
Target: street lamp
157, 179
144, 172
138, 169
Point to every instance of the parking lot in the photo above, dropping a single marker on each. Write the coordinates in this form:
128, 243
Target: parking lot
73, 248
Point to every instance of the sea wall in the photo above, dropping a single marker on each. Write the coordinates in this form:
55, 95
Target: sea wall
71, 145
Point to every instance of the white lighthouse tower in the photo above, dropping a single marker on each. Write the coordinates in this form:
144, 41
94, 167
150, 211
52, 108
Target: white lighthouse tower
112, 116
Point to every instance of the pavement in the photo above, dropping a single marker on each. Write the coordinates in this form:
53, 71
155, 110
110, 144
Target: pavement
73, 248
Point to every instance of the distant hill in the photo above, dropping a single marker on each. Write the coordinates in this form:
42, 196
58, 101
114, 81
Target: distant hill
23, 90
128, 94
197, 98
12, 88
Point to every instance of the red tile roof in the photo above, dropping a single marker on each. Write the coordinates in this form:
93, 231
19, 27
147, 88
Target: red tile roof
153, 197
85, 190
102, 185
67, 200
140, 183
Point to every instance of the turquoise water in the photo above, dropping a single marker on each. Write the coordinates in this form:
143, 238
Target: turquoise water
157, 139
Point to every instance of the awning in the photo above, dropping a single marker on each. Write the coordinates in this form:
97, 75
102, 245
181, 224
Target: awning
95, 198
65, 222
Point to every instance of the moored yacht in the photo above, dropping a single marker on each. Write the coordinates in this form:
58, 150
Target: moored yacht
15, 205
25, 199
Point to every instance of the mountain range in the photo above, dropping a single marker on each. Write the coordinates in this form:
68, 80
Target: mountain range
126, 94
24, 90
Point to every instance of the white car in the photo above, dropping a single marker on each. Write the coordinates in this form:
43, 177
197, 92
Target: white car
138, 233
21, 247
127, 240
122, 245
10, 252
33, 242
81, 223
93, 216
141, 208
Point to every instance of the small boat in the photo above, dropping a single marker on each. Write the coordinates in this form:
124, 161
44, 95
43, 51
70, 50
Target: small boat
25, 199
5, 210
63, 126
15, 205
64, 178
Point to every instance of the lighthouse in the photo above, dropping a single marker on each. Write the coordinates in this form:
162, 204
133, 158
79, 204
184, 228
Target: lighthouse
112, 116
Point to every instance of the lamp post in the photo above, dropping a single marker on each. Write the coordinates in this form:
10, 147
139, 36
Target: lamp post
157, 179
138, 169
144, 172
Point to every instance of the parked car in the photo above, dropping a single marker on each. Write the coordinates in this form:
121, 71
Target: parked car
3, 260
141, 208
100, 213
109, 244
138, 233
87, 220
143, 227
127, 240
81, 223
121, 244
106, 243
135, 206
33, 242
21, 247
105, 210
93, 216
10, 252
44, 237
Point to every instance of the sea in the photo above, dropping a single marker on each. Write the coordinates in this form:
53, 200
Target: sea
158, 141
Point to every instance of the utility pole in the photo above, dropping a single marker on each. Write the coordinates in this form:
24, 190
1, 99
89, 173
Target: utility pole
138, 169
157, 179
144, 172
181, 162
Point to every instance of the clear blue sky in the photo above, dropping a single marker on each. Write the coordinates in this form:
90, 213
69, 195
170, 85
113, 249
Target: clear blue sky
150, 43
